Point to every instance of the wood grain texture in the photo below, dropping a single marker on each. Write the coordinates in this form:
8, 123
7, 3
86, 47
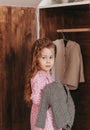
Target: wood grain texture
17, 34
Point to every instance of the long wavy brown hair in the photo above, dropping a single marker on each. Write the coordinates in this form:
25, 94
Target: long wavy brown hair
32, 69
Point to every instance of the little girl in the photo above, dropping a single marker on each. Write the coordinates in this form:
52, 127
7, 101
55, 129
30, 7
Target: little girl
43, 57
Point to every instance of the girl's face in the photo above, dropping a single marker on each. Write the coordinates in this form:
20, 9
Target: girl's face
46, 59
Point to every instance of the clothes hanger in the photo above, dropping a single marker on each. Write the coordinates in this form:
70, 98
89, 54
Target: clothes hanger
64, 39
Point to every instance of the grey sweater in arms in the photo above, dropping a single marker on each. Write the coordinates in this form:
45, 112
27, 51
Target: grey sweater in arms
61, 103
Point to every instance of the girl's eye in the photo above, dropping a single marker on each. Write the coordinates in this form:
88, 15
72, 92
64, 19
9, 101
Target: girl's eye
43, 57
51, 57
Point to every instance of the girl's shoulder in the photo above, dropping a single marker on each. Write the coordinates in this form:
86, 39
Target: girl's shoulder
40, 75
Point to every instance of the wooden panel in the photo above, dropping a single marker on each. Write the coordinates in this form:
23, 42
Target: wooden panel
3, 79
17, 34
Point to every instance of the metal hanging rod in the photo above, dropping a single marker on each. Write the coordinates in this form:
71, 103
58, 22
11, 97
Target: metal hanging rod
74, 30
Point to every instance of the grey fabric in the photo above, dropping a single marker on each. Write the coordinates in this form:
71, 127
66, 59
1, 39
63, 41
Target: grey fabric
61, 103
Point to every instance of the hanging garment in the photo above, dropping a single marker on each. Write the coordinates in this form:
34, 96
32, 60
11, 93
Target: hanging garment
69, 64
61, 103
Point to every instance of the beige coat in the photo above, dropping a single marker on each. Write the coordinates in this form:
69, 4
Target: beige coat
69, 64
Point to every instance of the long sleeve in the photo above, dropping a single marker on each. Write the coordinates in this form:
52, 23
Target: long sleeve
71, 108
59, 67
40, 122
37, 87
82, 78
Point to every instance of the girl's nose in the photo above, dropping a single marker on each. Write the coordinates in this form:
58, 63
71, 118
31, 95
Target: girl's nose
48, 60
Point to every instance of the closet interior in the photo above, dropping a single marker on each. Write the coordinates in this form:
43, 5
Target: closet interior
74, 23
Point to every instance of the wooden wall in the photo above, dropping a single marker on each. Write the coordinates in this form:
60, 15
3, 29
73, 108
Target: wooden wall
17, 33
52, 19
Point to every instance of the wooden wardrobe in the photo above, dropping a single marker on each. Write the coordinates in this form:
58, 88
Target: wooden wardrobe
19, 28
72, 17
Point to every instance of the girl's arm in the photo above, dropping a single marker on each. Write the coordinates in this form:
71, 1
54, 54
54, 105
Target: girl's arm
38, 85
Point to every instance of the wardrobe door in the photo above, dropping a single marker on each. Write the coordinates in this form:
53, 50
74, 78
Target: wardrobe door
17, 33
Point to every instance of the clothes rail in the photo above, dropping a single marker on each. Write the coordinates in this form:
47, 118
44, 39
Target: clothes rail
74, 30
